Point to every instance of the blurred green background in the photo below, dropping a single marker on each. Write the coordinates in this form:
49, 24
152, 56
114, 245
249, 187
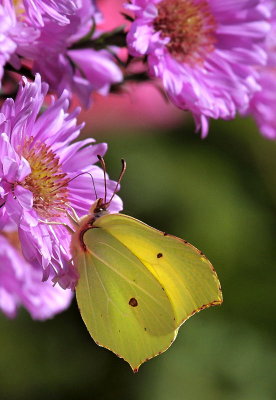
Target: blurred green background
219, 194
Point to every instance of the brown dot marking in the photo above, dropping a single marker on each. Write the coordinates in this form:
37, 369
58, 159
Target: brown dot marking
145, 329
165, 234
159, 255
133, 302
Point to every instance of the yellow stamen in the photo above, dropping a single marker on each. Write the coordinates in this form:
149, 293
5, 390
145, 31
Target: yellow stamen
19, 9
47, 181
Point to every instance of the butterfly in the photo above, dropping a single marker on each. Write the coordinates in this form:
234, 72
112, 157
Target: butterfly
137, 285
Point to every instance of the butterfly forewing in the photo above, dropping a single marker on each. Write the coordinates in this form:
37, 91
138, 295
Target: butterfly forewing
183, 271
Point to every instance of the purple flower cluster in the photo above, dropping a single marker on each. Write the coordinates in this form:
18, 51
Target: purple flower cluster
44, 33
214, 58
42, 176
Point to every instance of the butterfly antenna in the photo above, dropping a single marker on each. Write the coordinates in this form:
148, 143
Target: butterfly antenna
74, 177
123, 170
93, 182
100, 158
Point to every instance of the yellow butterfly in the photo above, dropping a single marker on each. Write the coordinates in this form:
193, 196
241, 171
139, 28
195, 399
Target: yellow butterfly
137, 285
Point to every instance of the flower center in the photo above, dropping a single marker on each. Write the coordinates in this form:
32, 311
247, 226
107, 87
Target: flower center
47, 181
190, 26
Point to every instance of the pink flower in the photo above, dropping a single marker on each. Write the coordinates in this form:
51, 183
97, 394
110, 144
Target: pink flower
45, 33
20, 22
135, 99
7, 24
205, 51
42, 175
263, 103
63, 66
21, 285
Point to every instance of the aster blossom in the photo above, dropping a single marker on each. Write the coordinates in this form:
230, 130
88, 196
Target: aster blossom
79, 70
45, 33
7, 31
20, 22
43, 175
263, 104
21, 284
204, 51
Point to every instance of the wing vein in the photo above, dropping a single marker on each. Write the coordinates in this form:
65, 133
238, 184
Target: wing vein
121, 275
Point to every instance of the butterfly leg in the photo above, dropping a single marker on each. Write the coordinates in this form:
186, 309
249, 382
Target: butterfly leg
69, 229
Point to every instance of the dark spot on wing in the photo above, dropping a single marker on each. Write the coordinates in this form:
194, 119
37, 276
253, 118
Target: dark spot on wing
159, 255
165, 234
133, 302
145, 329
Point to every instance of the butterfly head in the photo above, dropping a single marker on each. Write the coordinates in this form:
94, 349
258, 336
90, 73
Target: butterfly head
99, 208
101, 205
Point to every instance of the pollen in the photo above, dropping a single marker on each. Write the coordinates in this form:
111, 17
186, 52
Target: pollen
19, 9
190, 26
47, 181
